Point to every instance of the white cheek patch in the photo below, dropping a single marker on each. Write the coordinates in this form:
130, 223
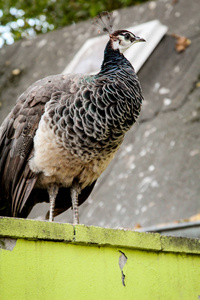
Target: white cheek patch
116, 45
121, 47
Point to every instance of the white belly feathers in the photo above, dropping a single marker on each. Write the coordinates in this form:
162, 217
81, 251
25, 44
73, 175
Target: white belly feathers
57, 165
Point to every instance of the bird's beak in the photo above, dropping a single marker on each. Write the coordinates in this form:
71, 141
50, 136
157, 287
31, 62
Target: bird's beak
138, 39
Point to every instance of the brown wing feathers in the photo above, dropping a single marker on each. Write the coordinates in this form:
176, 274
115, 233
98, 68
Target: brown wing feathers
16, 146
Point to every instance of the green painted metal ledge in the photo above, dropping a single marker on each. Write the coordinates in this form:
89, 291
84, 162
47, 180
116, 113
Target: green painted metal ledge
42, 260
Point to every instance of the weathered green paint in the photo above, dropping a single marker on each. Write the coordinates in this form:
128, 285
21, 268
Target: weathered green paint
31, 229
60, 261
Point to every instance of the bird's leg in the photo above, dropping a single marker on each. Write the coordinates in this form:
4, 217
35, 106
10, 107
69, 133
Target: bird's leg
75, 191
53, 191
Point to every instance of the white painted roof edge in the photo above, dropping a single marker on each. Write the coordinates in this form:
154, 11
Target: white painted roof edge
152, 31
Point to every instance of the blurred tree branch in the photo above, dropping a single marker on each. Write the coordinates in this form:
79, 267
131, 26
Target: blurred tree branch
26, 18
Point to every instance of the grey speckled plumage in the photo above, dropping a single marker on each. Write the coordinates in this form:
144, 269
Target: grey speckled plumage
64, 130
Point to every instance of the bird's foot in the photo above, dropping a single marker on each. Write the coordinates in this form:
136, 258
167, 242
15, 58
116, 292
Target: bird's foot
53, 191
75, 191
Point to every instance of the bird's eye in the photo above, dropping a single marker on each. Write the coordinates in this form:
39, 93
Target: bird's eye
127, 36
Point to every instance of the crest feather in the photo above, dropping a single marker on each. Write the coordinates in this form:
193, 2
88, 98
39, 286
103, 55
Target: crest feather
104, 21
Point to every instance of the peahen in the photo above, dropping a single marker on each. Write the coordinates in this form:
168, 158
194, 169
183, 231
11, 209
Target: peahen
65, 129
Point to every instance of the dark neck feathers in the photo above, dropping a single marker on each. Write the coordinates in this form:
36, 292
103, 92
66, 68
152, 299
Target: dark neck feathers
113, 59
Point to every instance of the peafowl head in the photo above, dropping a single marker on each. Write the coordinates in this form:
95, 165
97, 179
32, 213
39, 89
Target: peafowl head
120, 39
123, 39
